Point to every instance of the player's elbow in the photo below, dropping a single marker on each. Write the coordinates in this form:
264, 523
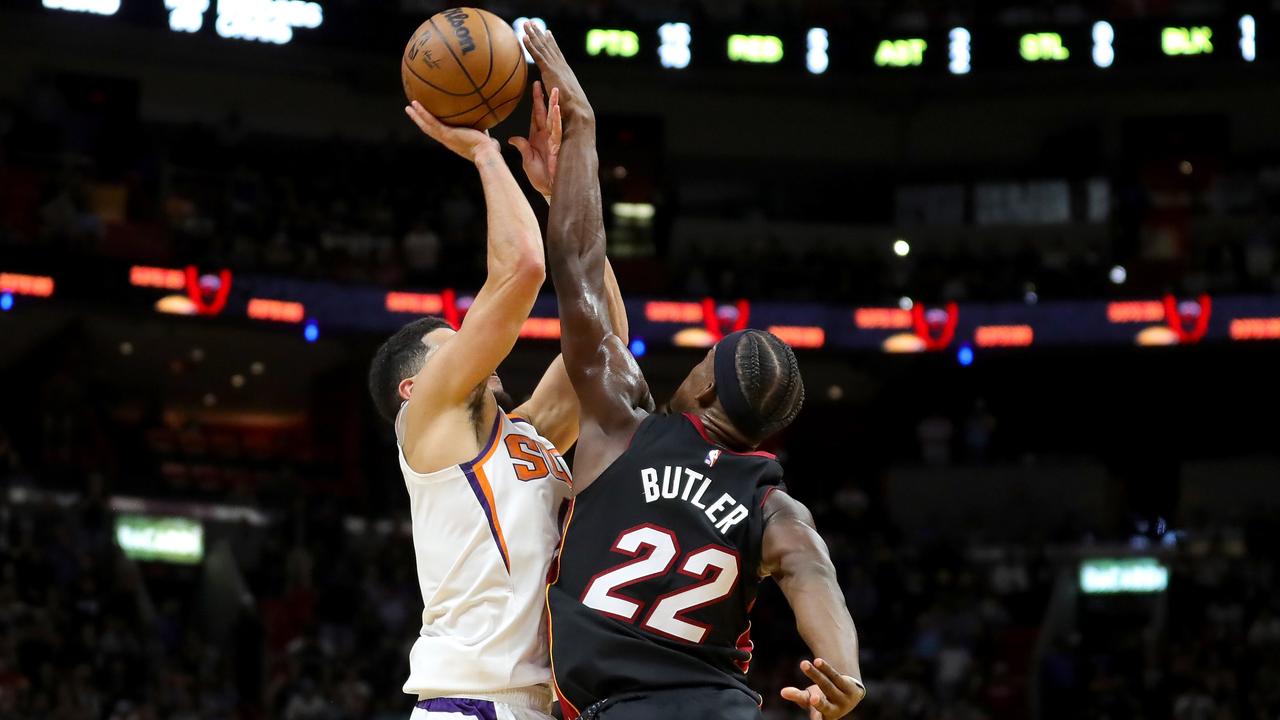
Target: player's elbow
528, 270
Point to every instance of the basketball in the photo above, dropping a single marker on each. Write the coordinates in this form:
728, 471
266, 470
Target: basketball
466, 67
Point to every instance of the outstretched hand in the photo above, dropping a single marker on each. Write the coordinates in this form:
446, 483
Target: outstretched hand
541, 149
467, 142
832, 695
556, 73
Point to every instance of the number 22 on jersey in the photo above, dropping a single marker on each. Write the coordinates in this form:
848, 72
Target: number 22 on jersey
655, 551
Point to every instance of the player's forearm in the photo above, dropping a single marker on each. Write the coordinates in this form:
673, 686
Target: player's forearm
575, 224
822, 618
515, 242
617, 307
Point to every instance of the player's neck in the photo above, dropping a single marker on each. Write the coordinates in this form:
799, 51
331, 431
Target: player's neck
722, 432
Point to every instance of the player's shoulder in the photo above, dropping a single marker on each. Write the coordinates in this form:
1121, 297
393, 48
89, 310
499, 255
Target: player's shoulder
778, 504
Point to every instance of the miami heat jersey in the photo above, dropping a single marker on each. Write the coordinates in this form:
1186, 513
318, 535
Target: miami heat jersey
484, 533
659, 567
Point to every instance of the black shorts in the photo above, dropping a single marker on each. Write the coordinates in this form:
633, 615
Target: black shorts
700, 703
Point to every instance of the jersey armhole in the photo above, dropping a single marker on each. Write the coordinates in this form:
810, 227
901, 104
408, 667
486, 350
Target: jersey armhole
485, 453
635, 441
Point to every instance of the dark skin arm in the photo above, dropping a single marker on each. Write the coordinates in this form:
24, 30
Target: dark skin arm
796, 557
610, 387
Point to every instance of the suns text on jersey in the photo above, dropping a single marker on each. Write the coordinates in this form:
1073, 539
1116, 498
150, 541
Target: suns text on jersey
673, 481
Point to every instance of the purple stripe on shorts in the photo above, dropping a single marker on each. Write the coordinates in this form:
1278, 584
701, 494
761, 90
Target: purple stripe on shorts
482, 709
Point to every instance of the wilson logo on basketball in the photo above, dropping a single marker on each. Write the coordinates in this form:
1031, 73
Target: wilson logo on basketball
458, 19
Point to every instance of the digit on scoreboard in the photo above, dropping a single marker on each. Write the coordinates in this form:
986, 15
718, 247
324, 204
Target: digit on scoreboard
1104, 52
673, 50
961, 56
1248, 39
816, 59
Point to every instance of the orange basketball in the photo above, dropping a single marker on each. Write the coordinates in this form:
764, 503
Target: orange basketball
466, 67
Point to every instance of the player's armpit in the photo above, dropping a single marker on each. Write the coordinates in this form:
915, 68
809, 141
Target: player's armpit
554, 408
796, 556
606, 378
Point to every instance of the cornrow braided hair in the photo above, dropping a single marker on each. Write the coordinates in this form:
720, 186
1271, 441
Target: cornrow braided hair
769, 375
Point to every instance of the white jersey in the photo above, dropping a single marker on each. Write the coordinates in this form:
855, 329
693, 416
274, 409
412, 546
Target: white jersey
484, 533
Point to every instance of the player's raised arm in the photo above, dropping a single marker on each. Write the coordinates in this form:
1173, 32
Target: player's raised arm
516, 272
553, 408
609, 384
797, 558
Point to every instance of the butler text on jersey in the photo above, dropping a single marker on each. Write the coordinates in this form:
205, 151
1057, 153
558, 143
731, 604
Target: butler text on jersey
675, 482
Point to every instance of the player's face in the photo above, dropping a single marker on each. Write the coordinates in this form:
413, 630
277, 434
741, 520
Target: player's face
437, 339
690, 396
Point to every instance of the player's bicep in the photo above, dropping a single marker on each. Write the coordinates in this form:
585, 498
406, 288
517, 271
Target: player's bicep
792, 547
487, 335
553, 407
610, 386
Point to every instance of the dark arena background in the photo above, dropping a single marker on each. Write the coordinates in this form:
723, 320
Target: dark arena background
1026, 252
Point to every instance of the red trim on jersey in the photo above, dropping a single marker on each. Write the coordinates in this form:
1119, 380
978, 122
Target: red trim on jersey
702, 430
639, 558
744, 644
767, 493
707, 577
567, 708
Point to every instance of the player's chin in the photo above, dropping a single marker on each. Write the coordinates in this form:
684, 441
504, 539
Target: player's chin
495, 386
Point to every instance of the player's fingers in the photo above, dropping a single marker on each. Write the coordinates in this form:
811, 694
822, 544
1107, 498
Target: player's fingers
836, 676
851, 688
521, 145
820, 706
552, 46
534, 40
539, 106
820, 679
425, 121
557, 124
796, 695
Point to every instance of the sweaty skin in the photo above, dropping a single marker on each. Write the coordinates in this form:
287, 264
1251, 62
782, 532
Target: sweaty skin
449, 424
615, 399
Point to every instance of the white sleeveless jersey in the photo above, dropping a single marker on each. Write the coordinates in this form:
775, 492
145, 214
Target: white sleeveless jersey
484, 533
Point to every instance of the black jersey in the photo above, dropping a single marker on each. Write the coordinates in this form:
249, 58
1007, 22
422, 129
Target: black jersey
658, 568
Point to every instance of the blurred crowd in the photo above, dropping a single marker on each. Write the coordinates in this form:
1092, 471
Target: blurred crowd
316, 619
80, 174
310, 614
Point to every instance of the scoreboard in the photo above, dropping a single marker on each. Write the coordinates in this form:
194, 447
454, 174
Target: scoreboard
960, 49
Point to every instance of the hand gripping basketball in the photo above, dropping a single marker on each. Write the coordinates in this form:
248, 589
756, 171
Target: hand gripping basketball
464, 141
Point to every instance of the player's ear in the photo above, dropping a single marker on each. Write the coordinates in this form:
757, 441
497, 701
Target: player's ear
706, 397
405, 388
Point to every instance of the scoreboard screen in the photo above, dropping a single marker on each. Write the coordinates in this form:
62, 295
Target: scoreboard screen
959, 49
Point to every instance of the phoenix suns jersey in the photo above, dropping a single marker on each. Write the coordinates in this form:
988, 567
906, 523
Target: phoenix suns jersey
658, 569
484, 533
